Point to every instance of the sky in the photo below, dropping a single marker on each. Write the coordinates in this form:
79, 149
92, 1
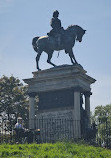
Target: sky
22, 20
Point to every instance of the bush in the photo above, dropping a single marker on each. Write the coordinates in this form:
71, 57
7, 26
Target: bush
57, 150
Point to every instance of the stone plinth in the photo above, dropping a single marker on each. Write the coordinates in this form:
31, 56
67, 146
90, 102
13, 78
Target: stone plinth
61, 77
59, 91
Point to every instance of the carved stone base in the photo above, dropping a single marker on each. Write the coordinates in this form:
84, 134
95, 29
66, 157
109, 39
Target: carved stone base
58, 91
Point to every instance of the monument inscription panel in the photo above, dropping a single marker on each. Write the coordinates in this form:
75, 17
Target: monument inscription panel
56, 99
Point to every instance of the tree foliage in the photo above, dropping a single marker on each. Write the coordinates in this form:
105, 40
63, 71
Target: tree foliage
102, 117
13, 99
102, 113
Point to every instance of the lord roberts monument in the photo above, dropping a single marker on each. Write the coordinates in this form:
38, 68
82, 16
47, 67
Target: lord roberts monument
57, 95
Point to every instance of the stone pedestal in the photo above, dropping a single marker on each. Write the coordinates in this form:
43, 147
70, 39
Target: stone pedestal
59, 92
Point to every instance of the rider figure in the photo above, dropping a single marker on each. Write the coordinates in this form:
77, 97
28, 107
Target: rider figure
57, 31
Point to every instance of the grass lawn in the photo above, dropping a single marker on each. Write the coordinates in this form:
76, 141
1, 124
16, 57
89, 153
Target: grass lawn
57, 150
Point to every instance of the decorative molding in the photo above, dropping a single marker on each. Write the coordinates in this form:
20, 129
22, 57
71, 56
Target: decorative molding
78, 89
87, 93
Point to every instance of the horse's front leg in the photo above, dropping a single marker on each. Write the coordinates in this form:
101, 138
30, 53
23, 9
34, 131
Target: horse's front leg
72, 57
37, 60
49, 59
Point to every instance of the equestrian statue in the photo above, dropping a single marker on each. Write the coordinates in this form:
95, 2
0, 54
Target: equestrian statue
58, 39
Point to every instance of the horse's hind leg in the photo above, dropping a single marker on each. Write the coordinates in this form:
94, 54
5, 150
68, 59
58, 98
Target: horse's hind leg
49, 58
37, 59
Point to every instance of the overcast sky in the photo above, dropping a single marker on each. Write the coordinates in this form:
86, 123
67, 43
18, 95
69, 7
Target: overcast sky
21, 20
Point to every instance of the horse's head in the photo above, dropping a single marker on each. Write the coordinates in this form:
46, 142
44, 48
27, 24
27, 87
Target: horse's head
78, 32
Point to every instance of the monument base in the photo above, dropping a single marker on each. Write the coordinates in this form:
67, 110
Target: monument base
59, 93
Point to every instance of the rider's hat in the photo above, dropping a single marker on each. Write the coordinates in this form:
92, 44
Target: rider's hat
55, 13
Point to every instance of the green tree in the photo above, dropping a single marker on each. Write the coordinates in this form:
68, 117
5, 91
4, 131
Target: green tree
102, 113
102, 117
13, 100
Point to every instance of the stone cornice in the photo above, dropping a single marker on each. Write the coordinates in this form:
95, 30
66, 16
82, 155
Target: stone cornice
52, 74
62, 77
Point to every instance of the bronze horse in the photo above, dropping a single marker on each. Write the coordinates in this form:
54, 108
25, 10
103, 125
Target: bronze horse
48, 43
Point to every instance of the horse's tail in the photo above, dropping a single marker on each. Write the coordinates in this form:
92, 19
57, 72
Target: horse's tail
34, 40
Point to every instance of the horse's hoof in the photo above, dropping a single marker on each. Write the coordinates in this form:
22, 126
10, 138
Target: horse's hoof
39, 69
75, 64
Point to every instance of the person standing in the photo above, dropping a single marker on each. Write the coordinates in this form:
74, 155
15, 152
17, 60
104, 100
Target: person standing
19, 125
19, 130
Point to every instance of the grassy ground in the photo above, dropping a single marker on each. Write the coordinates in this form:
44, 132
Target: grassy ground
57, 150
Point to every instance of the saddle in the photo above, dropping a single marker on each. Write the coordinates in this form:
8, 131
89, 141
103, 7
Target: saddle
58, 38
57, 35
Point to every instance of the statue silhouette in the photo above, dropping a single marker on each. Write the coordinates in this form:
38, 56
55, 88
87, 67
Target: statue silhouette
58, 39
